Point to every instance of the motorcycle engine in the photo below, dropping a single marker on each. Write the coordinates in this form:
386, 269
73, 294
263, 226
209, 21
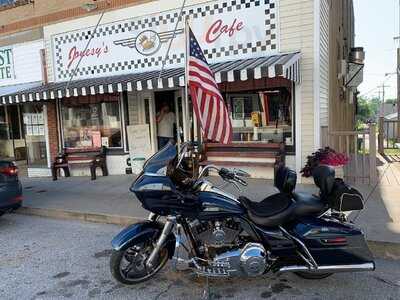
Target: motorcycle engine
216, 234
228, 252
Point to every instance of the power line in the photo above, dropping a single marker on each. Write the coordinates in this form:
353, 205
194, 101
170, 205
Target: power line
387, 77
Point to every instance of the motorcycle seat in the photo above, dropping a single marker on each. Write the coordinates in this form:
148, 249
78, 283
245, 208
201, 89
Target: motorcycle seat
281, 208
272, 211
307, 204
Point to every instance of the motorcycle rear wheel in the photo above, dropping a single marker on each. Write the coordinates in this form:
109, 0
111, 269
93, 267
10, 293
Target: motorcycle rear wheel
129, 266
313, 276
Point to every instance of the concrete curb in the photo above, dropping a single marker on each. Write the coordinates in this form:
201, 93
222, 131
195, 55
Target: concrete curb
79, 216
385, 250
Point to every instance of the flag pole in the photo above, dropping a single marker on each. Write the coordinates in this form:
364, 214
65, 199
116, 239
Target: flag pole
185, 103
173, 37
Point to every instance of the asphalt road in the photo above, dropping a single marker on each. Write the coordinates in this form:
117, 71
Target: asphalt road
54, 259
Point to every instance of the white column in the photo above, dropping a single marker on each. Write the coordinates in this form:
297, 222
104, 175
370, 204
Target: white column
298, 137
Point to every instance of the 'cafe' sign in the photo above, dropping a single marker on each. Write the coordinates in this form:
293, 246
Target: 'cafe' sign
225, 29
6, 64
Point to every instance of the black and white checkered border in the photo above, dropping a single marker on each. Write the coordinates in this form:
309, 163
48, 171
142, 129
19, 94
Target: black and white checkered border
142, 23
173, 60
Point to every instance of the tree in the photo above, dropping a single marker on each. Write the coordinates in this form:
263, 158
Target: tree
367, 109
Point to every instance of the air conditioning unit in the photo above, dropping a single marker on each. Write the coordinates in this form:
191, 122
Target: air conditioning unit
357, 55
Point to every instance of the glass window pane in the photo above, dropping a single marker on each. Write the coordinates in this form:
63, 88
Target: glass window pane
5, 142
269, 111
91, 124
34, 127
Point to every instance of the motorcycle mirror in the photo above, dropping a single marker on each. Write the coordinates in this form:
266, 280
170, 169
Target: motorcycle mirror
241, 173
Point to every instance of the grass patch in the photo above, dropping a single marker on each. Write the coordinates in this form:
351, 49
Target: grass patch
392, 151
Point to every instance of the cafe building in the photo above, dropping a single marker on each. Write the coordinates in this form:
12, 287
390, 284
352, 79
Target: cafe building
23, 128
106, 84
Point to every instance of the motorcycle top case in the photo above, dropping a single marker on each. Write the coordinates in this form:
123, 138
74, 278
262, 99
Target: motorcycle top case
332, 242
344, 197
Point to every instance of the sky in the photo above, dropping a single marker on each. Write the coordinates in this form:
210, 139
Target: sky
376, 23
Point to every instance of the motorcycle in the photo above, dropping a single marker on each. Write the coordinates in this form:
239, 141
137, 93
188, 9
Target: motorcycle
213, 233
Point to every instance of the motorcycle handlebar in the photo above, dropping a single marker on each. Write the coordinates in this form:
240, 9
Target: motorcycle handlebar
230, 175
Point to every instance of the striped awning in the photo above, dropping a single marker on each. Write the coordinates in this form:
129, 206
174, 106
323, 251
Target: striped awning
282, 65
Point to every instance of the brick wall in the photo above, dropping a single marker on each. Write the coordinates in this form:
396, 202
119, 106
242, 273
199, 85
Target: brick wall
44, 12
52, 128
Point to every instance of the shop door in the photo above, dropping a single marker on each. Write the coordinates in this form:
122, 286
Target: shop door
149, 116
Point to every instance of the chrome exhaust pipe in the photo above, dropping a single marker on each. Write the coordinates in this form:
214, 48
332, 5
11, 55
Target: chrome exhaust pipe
330, 269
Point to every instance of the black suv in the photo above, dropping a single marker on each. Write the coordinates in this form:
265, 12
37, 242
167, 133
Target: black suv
10, 187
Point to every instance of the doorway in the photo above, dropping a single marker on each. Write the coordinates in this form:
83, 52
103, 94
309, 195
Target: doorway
173, 117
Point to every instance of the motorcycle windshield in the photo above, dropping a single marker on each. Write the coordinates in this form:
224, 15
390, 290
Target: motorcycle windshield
158, 163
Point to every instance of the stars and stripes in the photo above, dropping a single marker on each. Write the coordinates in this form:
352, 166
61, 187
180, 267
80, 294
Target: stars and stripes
208, 102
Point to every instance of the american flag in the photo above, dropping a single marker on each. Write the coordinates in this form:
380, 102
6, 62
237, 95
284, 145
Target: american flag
207, 100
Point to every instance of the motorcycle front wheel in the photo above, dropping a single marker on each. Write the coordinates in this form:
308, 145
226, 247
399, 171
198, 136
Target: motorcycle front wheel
129, 266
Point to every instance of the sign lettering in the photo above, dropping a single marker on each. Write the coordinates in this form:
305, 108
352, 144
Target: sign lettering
75, 54
218, 28
6, 64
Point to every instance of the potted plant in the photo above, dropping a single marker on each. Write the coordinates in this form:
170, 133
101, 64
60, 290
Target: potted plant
328, 157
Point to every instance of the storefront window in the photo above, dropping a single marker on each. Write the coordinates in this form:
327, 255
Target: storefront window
91, 122
264, 117
34, 128
3, 124
4, 135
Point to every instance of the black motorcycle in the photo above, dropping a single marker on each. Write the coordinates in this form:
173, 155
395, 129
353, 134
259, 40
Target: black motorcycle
214, 233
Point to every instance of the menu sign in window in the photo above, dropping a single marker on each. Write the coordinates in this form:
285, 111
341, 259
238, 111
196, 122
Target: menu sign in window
34, 124
6, 64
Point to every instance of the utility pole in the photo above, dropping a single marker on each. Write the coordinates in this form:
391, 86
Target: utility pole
381, 136
382, 110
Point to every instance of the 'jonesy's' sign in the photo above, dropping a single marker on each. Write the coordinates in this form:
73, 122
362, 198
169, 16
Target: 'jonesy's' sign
225, 29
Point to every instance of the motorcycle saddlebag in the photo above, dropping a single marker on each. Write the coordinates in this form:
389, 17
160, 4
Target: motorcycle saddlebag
344, 197
333, 243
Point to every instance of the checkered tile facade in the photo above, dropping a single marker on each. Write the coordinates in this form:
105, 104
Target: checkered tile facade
270, 44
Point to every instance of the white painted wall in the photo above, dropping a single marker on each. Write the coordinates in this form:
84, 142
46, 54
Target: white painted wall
324, 61
27, 63
297, 34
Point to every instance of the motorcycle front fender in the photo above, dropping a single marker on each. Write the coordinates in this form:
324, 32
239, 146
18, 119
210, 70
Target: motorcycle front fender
139, 232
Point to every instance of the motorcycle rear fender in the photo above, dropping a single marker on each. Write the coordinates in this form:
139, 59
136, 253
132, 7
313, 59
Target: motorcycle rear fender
139, 232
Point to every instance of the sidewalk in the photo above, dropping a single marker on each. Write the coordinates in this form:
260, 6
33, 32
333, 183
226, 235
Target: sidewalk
109, 200
110, 195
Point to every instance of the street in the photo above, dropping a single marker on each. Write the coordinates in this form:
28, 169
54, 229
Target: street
55, 259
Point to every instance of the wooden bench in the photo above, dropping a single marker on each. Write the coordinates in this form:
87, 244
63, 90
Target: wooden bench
92, 157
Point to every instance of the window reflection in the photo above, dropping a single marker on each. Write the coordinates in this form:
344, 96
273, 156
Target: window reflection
262, 117
91, 122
